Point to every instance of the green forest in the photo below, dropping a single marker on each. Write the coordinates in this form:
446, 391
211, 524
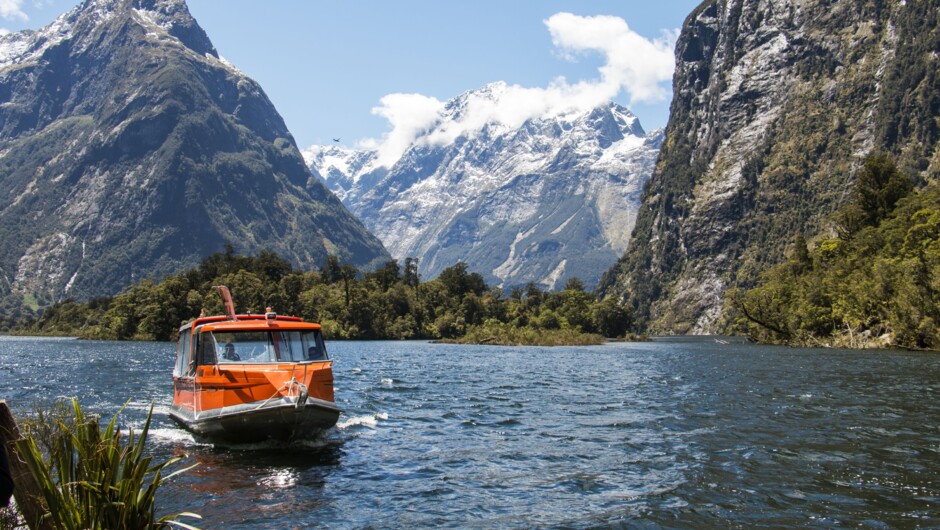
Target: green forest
873, 280
876, 283
389, 303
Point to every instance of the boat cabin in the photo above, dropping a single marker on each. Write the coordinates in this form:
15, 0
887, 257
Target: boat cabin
250, 339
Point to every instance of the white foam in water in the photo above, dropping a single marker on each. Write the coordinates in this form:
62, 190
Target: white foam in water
173, 436
144, 406
387, 381
356, 370
318, 442
370, 420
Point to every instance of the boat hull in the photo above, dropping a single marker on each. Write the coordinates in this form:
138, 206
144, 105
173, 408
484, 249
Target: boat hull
276, 419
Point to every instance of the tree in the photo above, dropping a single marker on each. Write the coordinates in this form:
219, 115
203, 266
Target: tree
801, 258
574, 284
878, 187
347, 273
612, 318
331, 269
533, 296
249, 292
387, 275
412, 279
458, 282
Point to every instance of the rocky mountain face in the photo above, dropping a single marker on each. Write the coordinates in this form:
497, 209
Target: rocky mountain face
550, 200
776, 102
130, 149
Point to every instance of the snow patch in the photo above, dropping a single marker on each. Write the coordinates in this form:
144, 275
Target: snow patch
563, 225
503, 271
555, 276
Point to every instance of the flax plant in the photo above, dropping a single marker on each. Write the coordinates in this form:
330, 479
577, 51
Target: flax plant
98, 479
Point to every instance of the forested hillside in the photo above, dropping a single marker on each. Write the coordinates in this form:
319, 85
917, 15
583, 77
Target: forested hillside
876, 284
389, 303
776, 104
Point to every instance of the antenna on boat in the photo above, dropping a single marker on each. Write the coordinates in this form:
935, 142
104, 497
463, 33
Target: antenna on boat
226, 301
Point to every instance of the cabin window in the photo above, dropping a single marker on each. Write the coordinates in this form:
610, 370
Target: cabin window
243, 346
300, 345
205, 351
267, 346
320, 352
183, 353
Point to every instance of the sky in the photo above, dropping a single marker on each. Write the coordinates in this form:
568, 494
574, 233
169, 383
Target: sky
372, 73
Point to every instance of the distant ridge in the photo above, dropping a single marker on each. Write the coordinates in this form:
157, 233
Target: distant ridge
129, 149
550, 200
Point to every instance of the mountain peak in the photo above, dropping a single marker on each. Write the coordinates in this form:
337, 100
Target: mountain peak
492, 91
170, 16
169, 12
545, 198
159, 18
131, 150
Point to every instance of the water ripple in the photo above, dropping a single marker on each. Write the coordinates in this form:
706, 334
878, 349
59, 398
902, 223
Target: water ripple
624, 435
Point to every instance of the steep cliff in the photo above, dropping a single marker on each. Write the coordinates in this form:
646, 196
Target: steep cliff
775, 104
129, 149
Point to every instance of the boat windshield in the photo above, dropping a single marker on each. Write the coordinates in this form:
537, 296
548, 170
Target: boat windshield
266, 346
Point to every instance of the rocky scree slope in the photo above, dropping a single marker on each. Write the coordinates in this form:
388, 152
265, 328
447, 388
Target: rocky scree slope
130, 149
552, 199
776, 102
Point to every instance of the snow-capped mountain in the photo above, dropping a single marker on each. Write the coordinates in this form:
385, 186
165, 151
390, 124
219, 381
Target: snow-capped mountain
340, 167
130, 149
543, 202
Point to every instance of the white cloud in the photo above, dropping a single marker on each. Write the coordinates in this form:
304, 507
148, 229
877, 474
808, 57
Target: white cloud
410, 115
4, 31
12, 9
632, 63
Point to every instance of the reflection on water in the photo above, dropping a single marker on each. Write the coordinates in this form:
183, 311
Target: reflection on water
234, 487
676, 434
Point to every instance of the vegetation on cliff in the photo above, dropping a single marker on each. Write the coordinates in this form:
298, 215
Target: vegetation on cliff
877, 283
389, 303
773, 104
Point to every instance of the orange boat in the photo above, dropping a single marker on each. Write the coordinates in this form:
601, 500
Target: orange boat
251, 378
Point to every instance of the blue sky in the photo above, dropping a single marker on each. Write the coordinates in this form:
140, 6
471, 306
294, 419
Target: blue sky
327, 65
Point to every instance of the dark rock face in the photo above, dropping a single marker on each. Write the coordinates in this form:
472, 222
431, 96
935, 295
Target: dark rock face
775, 104
129, 149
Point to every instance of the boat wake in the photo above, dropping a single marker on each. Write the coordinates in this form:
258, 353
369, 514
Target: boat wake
170, 435
182, 438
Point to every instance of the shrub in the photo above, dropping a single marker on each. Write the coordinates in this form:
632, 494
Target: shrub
94, 479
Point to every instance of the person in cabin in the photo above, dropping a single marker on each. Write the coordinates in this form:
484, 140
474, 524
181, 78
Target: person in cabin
6, 481
229, 353
314, 354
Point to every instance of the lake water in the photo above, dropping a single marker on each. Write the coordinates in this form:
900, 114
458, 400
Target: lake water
663, 434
